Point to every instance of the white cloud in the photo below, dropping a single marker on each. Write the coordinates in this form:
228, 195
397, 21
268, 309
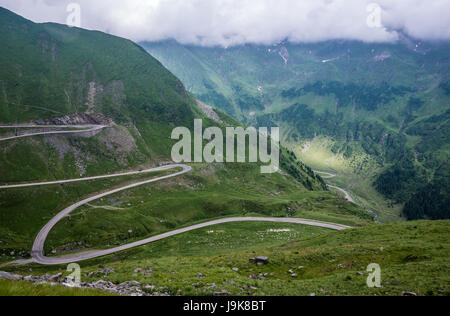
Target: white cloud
231, 22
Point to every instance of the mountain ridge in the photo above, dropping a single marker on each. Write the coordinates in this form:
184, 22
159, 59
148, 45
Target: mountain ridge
55, 75
364, 108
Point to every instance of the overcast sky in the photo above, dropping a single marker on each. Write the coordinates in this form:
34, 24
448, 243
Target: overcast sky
232, 22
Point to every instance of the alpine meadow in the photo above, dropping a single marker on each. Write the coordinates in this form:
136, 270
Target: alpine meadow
229, 149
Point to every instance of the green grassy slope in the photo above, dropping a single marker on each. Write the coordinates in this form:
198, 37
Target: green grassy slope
211, 191
49, 72
413, 256
374, 113
14, 288
48, 68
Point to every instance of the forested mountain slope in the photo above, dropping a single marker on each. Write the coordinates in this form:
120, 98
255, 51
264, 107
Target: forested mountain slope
375, 113
55, 75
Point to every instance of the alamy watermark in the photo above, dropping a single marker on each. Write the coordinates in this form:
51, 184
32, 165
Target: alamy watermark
242, 145
374, 17
374, 278
74, 17
74, 279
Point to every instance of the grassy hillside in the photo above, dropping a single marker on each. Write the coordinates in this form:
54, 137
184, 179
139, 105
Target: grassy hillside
376, 114
53, 74
211, 191
413, 257
49, 69
14, 288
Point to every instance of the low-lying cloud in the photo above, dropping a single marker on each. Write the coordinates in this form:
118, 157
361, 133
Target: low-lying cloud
234, 22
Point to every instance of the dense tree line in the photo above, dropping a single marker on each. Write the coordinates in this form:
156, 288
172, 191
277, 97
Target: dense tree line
373, 137
411, 167
290, 163
401, 180
446, 87
431, 202
366, 97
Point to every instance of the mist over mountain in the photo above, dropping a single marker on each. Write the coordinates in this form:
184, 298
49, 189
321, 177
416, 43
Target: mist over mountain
236, 22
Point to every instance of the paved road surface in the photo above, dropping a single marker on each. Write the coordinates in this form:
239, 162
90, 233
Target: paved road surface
38, 257
38, 246
332, 175
347, 195
27, 185
83, 129
38, 253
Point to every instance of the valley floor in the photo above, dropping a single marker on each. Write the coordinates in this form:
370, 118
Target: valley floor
350, 179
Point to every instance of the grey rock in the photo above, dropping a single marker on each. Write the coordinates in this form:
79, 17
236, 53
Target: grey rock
10, 276
261, 260
144, 272
104, 271
222, 293
409, 293
55, 278
395, 283
103, 285
28, 278
130, 288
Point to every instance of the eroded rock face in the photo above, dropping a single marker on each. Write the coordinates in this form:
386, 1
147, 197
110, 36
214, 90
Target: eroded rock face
260, 260
117, 141
78, 119
209, 111
129, 288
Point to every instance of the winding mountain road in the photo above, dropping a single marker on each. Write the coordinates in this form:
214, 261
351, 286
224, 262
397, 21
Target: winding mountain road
332, 175
347, 195
37, 253
83, 129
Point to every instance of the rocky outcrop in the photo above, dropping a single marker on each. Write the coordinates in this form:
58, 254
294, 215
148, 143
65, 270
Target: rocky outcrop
78, 119
10, 276
260, 260
209, 111
129, 288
